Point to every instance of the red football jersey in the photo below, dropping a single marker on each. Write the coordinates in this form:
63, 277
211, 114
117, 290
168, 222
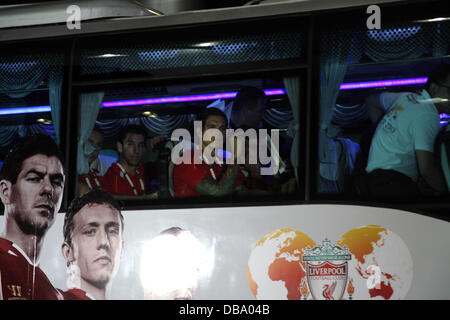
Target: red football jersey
187, 176
93, 179
75, 294
115, 181
20, 279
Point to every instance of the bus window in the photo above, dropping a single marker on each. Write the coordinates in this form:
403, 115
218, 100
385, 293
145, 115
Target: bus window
231, 138
379, 131
30, 96
163, 54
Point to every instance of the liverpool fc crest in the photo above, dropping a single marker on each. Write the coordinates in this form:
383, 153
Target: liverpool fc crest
327, 270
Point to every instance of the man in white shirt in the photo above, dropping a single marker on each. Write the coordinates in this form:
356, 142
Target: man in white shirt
403, 144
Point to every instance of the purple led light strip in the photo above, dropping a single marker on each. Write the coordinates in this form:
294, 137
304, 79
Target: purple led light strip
198, 97
383, 83
226, 95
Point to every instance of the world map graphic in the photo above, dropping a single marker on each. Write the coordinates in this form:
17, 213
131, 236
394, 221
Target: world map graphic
276, 271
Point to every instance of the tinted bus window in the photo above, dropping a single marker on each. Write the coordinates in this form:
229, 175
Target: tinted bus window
30, 96
166, 54
380, 113
193, 140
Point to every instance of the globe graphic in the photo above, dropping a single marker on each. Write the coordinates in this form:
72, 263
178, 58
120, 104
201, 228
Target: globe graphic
380, 265
378, 252
275, 268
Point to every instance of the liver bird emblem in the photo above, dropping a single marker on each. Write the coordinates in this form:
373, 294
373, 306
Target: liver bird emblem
328, 291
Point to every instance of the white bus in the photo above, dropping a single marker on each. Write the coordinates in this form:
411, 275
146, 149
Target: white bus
315, 62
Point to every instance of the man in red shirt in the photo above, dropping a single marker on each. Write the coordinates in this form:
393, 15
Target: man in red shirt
93, 242
125, 179
209, 179
31, 188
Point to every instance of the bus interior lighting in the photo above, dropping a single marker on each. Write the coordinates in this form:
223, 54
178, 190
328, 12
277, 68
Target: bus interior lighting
383, 83
36, 109
223, 95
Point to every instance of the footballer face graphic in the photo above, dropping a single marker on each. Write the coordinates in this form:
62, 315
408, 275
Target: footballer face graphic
97, 244
36, 196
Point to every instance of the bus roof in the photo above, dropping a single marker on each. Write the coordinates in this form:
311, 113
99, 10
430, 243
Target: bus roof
54, 12
117, 19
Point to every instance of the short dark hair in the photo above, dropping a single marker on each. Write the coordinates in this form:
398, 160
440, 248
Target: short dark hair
98, 129
247, 96
132, 128
211, 112
173, 231
96, 196
438, 75
26, 148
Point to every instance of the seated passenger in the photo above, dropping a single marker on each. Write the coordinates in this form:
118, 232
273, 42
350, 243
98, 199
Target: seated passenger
98, 163
248, 108
336, 174
403, 144
247, 113
357, 144
125, 179
209, 179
